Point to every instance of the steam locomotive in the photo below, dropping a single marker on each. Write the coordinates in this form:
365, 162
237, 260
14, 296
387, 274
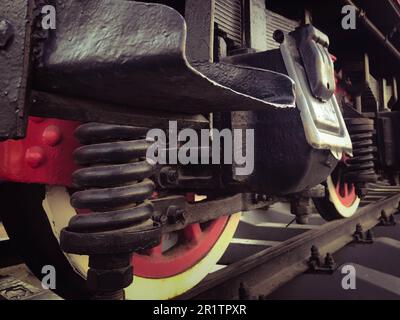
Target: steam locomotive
316, 82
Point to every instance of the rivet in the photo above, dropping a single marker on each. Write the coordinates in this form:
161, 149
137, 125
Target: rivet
52, 135
35, 157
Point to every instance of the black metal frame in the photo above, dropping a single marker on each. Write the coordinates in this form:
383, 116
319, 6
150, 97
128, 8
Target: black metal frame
175, 213
16, 20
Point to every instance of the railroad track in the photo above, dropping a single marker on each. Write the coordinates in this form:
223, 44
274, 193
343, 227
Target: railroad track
265, 258
266, 265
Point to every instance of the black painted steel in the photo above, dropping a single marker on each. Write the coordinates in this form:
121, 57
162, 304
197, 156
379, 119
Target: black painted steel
116, 186
360, 168
138, 60
16, 19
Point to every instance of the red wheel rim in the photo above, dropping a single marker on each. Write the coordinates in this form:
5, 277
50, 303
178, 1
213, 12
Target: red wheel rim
345, 191
195, 241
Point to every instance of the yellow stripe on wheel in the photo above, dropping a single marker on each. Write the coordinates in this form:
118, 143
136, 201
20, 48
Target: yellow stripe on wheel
59, 211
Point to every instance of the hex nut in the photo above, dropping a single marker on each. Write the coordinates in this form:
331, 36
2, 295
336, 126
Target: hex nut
109, 280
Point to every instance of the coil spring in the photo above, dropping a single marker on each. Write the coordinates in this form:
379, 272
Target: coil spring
360, 168
115, 178
115, 186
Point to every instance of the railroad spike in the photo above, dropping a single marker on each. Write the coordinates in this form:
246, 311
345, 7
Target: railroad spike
315, 259
386, 220
330, 262
360, 236
370, 236
359, 233
243, 292
315, 263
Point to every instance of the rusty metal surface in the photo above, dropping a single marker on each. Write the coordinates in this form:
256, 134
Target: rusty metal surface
133, 53
18, 283
15, 32
199, 16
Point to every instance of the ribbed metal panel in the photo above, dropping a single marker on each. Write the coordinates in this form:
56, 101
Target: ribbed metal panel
277, 22
228, 16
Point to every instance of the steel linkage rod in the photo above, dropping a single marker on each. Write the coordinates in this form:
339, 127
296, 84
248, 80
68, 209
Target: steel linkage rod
370, 26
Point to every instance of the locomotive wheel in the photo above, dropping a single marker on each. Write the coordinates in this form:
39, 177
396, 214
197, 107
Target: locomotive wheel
35, 215
340, 201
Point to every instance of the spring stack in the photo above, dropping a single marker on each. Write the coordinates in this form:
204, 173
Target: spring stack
361, 168
114, 185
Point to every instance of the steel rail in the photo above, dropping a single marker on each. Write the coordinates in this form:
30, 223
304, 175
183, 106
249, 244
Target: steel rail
267, 270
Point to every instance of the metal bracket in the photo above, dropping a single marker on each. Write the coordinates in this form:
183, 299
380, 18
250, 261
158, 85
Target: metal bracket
323, 121
138, 60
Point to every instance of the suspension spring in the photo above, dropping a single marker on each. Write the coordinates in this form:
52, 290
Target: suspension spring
360, 168
114, 185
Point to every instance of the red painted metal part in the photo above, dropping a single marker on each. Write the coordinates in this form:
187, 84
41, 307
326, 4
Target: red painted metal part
346, 192
45, 156
195, 243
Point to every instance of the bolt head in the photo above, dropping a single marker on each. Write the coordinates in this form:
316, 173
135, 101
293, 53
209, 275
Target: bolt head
35, 157
163, 219
52, 135
172, 176
175, 215
6, 32
109, 280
